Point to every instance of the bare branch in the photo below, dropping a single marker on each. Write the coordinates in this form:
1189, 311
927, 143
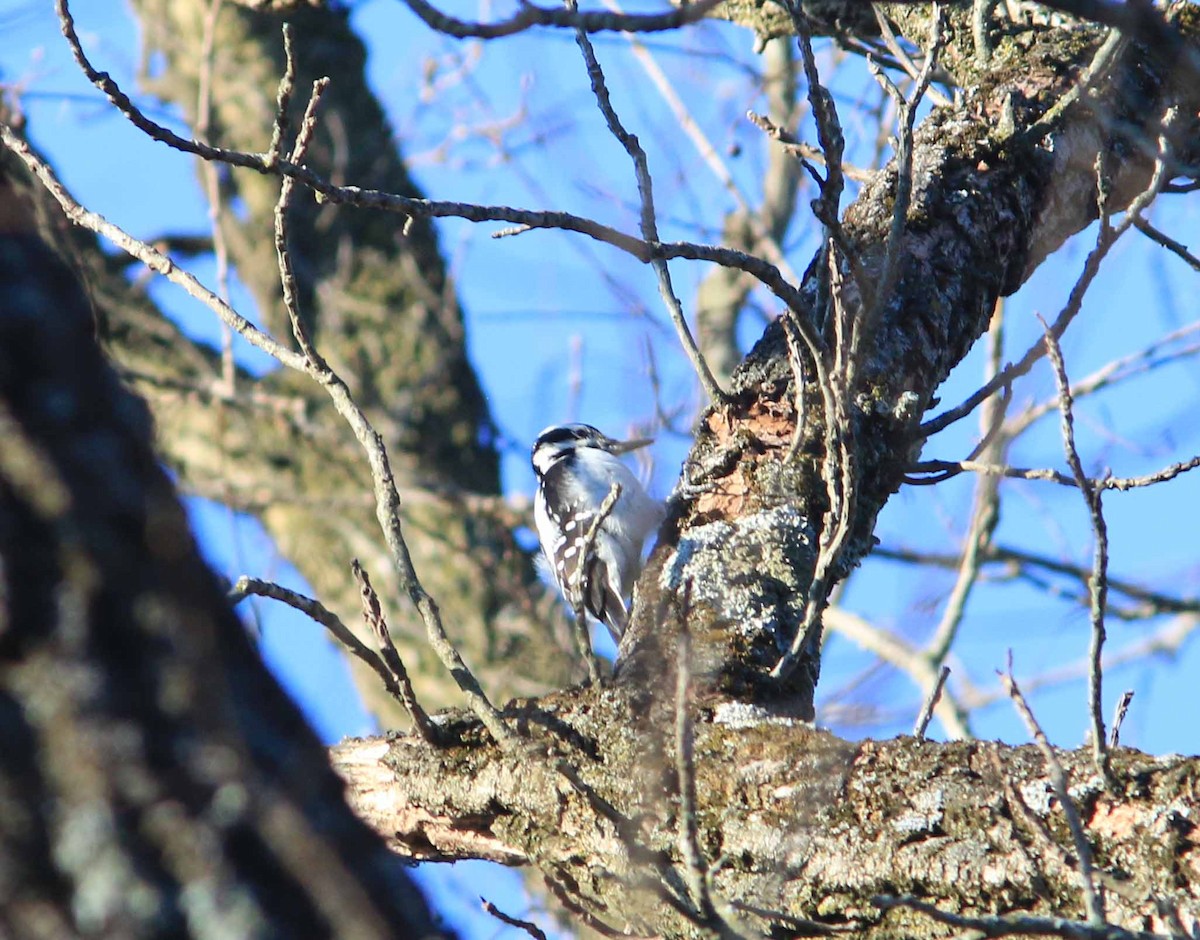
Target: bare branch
985, 513
586, 556
906, 62
377, 623
151, 257
837, 469
1099, 579
649, 224
801, 150
765, 242
318, 612
931, 701
528, 926
945, 469
1017, 926
900, 653
387, 499
1105, 240
645, 250
1104, 57
1167, 349
1168, 242
592, 21
1093, 901
829, 128
904, 171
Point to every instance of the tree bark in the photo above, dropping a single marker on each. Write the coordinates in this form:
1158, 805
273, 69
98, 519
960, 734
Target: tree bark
792, 820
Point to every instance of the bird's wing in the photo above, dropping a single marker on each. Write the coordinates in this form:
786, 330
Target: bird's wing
603, 600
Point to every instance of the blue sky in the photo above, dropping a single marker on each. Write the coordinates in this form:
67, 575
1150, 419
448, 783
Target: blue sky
542, 307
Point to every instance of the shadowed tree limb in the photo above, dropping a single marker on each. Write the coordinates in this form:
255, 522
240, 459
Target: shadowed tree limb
144, 741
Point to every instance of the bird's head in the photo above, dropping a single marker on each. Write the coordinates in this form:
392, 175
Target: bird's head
560, 440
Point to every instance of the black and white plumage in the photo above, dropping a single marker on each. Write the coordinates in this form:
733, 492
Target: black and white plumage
576, 466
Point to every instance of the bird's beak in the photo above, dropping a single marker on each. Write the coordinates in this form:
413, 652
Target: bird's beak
624, 447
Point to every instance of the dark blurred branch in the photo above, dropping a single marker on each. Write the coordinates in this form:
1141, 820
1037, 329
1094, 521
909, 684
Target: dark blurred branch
130, 692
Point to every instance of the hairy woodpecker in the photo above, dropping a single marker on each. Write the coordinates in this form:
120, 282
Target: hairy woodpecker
576, 467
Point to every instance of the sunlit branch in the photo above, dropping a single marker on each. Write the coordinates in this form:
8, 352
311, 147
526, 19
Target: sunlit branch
589, 21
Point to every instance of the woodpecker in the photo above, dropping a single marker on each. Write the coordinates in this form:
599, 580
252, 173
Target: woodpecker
576, 466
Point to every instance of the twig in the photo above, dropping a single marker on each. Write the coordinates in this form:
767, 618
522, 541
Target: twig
1114, 734
582, 640
906, 62
829, 127
799, 926
931, 701
317, 611
283, 98
1167, 242
528, 926
838, 385
1105, 240
766, 242
387, 499
1022, 926
373, 615
946, 469
643, 250
1020, 812
1154, 602
837, 469
802, 150
695, 868
1147, 359
649, 224
791, 334
985, 513
629, 832
153, 259
1166, 642
566, 898
904, 170
904, 656
530, 15
1113, 43
833, 145
1093, 901
1099, 579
